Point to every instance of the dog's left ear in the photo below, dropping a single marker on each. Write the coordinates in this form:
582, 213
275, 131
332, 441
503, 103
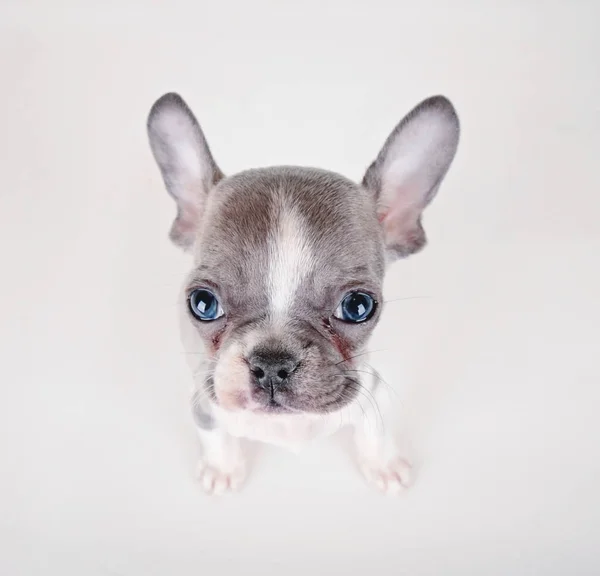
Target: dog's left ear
408, 171
185, 161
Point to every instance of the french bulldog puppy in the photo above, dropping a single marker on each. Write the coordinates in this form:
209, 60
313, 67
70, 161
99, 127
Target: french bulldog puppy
286, 287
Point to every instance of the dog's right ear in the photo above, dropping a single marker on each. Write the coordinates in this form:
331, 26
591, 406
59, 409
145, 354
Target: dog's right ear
185, 161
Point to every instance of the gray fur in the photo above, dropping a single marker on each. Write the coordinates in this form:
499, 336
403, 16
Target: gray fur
344, 235
235, 218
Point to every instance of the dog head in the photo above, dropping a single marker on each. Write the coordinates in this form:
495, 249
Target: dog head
289, 262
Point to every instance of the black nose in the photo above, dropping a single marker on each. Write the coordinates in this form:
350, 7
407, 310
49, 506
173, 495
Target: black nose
271, 369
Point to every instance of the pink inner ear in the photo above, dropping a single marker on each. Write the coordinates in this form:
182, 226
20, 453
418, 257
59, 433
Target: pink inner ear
398, 229
186, 223
185, 226
401, 228
401, 218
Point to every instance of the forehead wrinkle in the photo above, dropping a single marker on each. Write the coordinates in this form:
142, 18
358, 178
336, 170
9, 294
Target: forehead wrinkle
281, 240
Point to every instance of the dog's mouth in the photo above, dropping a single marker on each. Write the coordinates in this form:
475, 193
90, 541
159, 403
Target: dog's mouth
271, 402
288, 402
255, 401
287, 399
273, 406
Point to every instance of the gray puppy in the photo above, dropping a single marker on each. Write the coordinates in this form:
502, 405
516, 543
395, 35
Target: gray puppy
285, 288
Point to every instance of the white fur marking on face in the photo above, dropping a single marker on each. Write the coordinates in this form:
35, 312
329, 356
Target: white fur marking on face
231, 379
290, 261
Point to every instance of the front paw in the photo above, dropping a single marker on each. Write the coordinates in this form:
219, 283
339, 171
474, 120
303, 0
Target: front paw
390, 476
217, 479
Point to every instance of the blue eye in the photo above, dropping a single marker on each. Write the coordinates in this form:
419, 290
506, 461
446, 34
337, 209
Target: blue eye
204, 305
355, 307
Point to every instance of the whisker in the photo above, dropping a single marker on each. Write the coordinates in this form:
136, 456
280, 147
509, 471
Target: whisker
407, 298
361, 354
359, 388
198, 396
381, 380
373, 403
375, 375
348, 398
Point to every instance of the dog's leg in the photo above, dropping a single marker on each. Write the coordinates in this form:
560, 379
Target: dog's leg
222, 465
377, 453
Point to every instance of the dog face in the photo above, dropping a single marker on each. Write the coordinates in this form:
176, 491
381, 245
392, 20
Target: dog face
289, 262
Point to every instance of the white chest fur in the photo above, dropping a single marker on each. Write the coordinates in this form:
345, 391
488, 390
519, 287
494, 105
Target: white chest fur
293, 431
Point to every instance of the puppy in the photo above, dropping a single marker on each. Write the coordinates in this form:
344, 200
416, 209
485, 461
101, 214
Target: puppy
286, 287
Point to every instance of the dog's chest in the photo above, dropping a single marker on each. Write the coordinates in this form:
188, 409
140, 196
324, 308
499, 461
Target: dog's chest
292, 432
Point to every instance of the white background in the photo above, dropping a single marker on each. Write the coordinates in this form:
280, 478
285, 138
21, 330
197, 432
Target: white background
495, 364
